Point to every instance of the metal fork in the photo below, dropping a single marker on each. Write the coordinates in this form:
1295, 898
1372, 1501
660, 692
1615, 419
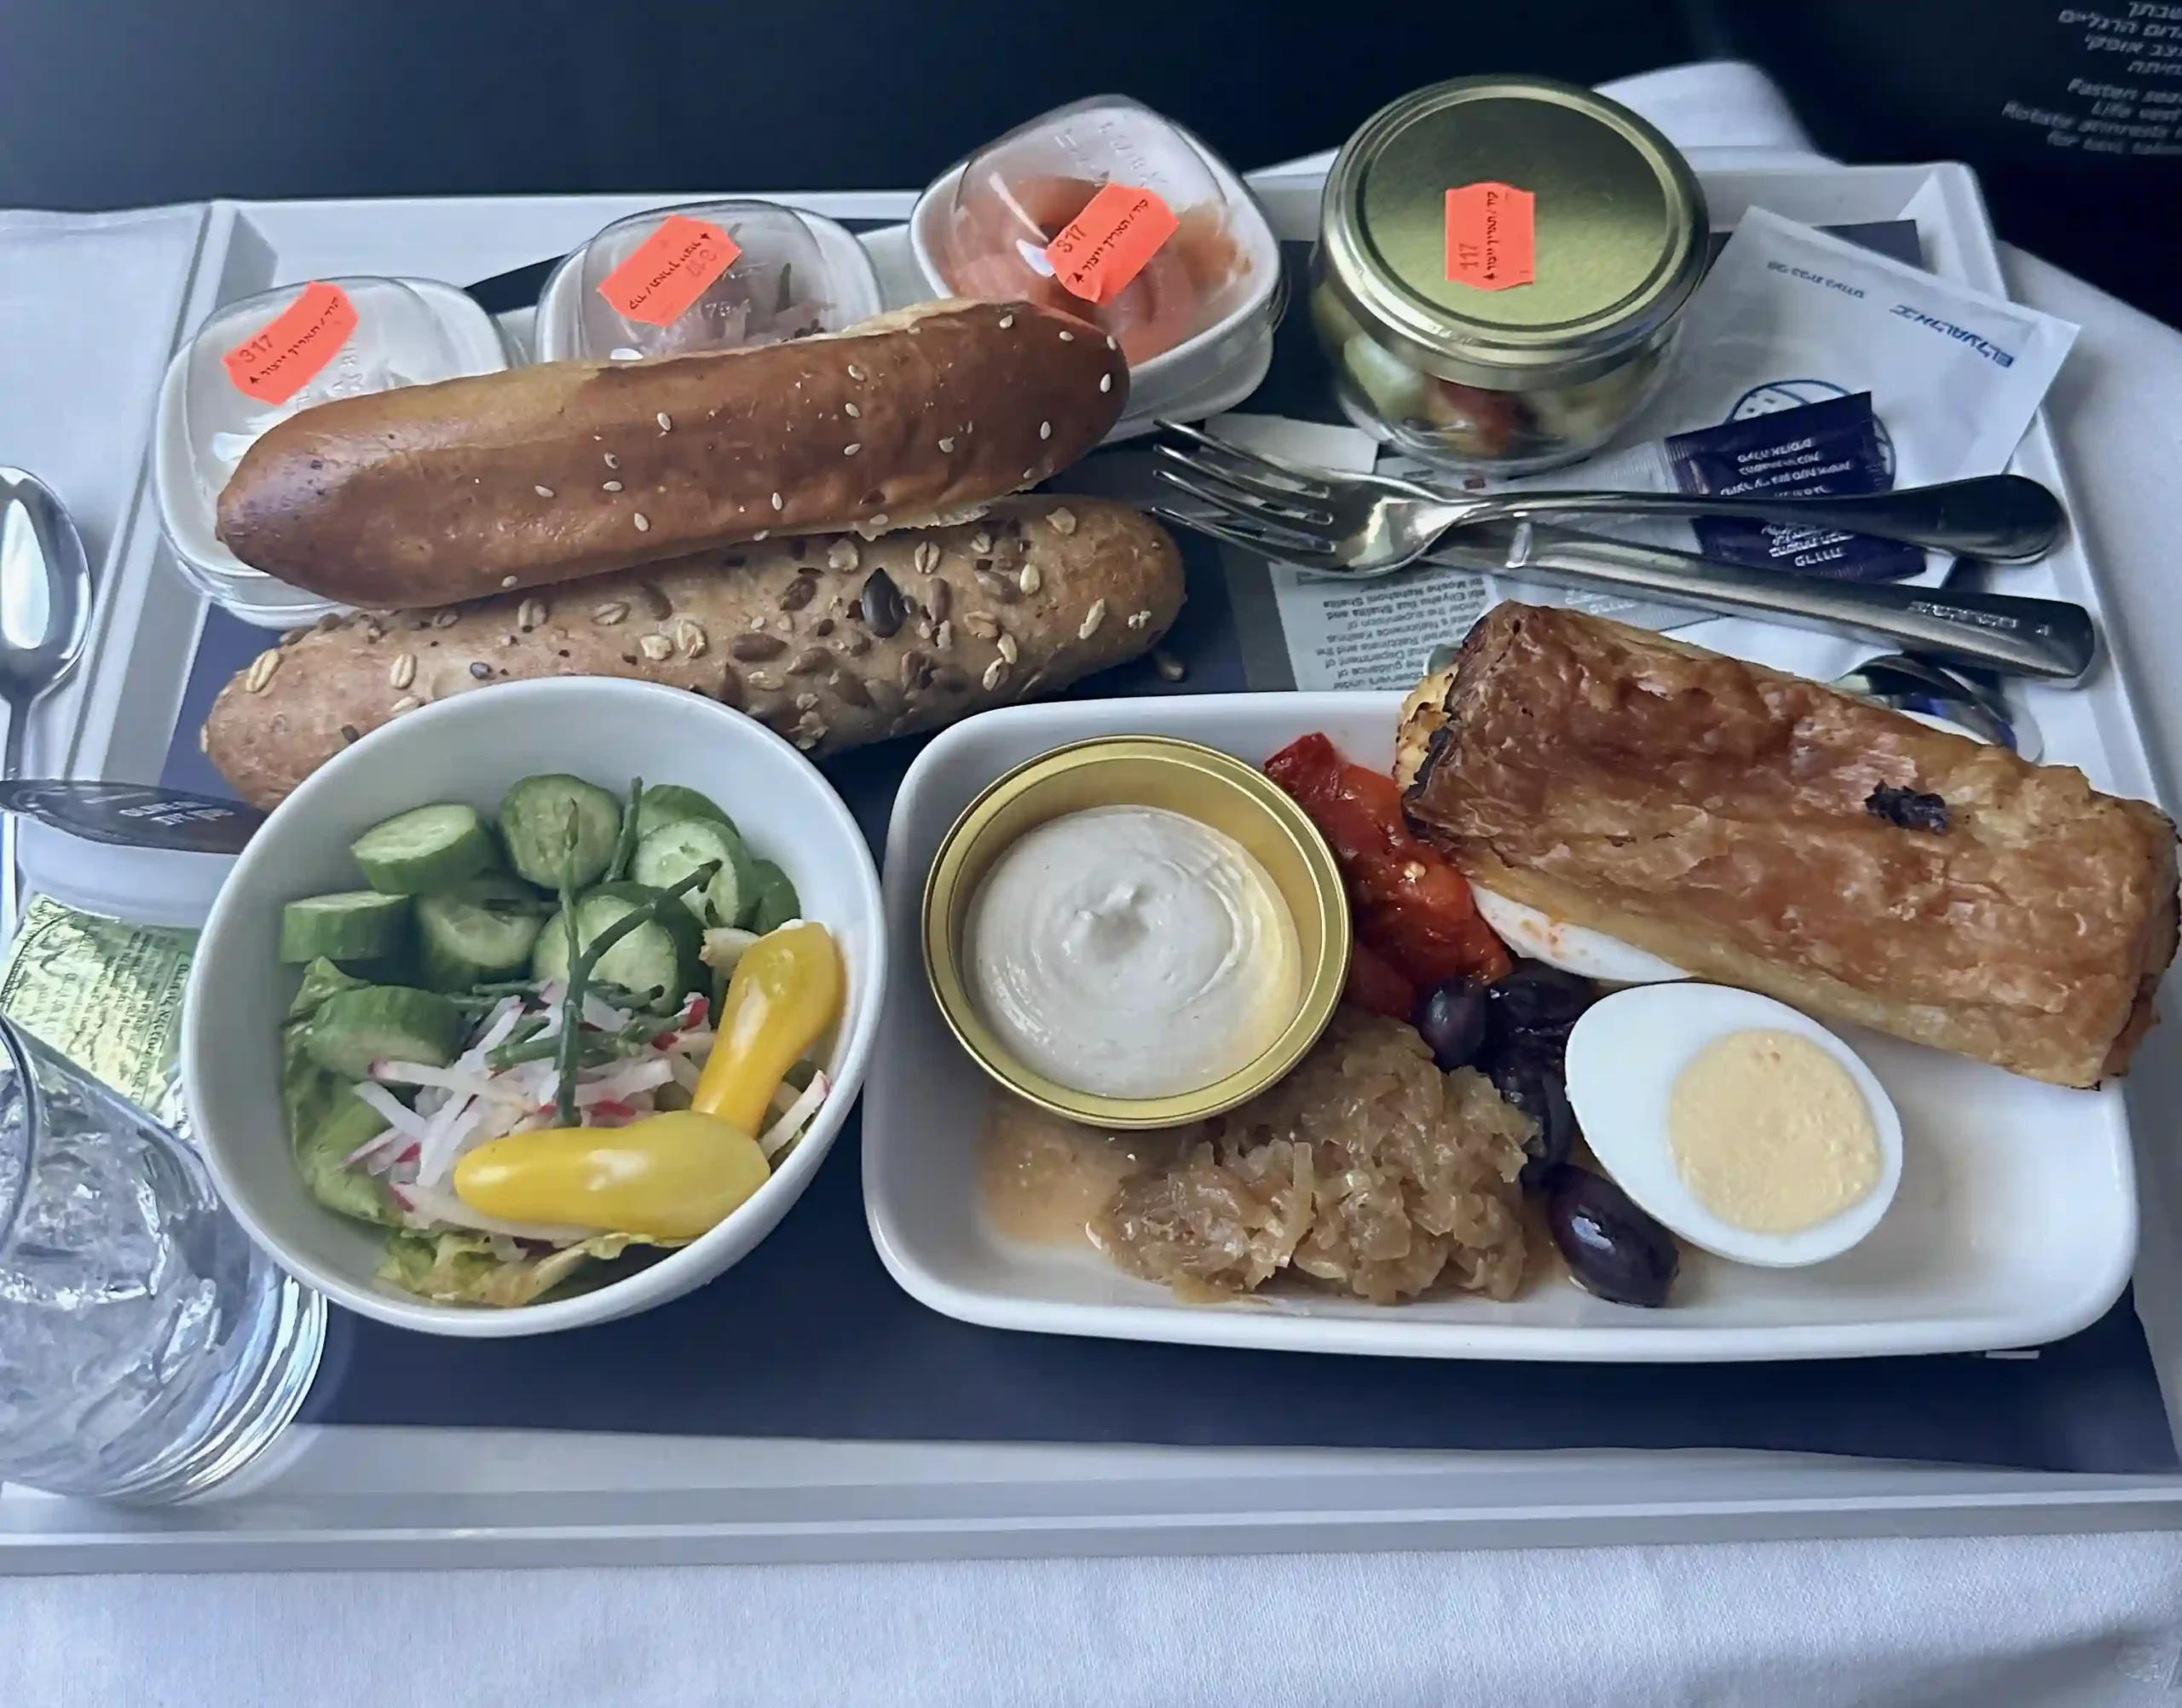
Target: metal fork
1375, 524
2015, 635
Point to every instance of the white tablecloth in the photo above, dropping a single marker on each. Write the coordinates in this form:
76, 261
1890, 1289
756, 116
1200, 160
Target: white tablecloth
2059, 1620
2045, 1620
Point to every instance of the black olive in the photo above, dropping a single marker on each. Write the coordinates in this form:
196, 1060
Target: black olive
1612, 1247
1507, 1051
1540, 999
1537, 1089
1451, 1019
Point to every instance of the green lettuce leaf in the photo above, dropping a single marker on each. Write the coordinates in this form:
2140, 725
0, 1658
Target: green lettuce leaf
327, 1120
462, 1269
321, 1144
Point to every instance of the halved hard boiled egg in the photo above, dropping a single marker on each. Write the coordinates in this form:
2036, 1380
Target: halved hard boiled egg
1737, 1121
1572, 948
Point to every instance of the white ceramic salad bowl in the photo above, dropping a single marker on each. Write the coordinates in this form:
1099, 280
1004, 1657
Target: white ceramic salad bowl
471, 748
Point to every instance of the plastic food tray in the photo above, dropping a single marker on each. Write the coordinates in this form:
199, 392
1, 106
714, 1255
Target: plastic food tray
822, 1415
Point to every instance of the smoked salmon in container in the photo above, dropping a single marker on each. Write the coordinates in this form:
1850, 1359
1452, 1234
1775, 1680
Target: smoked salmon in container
1106, 210
719, 275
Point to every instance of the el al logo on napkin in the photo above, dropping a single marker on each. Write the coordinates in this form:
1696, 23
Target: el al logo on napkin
1491, 239
1107, 245
669, 270
280, 360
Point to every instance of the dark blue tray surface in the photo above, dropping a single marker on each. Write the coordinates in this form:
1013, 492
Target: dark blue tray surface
808, 1336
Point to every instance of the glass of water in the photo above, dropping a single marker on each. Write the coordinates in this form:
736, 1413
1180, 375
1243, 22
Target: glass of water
148, 1349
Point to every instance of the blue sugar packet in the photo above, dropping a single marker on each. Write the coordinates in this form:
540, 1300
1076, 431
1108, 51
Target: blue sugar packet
1816, 450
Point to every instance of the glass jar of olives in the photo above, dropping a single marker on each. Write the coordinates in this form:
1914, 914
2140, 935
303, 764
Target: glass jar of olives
1510, 378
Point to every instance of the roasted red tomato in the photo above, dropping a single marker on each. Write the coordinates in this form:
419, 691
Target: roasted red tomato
1406, 900
1377, 985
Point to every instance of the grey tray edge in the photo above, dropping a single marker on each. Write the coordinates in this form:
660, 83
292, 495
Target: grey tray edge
354, 1498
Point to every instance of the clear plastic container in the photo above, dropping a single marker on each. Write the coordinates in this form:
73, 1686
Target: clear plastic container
407, 331
1194, 317
145, 886
795, 274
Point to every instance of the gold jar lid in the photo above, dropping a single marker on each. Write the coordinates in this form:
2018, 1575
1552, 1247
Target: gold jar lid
1620, 231
1215, 788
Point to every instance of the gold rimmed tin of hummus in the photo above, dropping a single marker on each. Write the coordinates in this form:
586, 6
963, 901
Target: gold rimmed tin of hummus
1198, 783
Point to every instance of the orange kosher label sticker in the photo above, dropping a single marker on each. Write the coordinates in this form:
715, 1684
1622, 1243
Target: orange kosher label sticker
1491, 236
669, 270
280, 360
1107, 245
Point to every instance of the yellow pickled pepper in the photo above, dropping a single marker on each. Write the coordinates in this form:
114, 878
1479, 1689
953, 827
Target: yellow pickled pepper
785, 992
668, 1176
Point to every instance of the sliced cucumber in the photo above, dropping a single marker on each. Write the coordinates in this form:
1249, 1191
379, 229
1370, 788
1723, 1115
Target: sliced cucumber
773, 901
673, 851
660, 953
485, 928
665, 803
426, 848
352, 925
534, 817
353, 1029
404, 967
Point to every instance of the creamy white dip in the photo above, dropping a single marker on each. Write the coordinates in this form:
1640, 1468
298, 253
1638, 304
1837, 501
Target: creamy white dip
1129, 951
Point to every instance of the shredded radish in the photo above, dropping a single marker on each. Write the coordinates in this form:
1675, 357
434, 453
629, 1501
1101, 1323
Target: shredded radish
624, 1082
687, 1073
782, 1134
436, 1161
400, 1163
387, 1141
596, 1012
397, 1114
469, 1082
497, 1026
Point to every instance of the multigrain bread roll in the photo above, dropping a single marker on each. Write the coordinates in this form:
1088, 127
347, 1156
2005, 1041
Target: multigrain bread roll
1766, 832
430, 494
832, 642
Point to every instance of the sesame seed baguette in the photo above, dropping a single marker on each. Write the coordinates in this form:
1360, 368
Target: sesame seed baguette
430, 494
832, 642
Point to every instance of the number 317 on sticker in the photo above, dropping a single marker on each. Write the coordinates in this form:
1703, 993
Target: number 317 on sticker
1491, 241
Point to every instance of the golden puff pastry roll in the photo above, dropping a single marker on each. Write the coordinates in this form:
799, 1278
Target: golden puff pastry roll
1765, 831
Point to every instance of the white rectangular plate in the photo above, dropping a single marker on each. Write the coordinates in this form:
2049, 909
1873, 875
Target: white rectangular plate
2016, 1222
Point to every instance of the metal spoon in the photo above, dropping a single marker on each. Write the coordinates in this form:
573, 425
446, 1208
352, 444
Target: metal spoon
1904, 683
45, 607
